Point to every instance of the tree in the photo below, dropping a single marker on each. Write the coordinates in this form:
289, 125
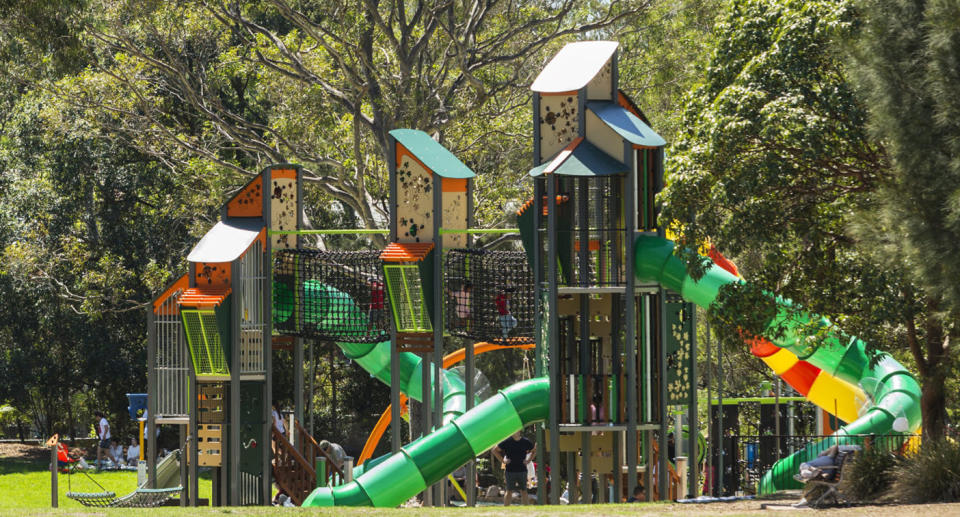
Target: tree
776, 165
322, 84
908, 64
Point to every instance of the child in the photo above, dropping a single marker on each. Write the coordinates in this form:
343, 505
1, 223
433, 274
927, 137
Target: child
507, 321
461, 300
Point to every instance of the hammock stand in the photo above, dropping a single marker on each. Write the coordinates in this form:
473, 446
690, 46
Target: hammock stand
167, 472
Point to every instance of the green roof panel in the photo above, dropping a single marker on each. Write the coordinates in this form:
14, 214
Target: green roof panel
626, 124
585, 160
435, 156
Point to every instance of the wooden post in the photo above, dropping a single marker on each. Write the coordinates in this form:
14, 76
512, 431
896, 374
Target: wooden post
54, 489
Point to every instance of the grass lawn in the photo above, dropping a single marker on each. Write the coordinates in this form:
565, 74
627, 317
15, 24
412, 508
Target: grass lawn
25, 484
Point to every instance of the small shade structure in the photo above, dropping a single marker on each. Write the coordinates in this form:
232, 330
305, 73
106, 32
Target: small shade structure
574, 66
433, 155
626, 124
581, 158
226, 241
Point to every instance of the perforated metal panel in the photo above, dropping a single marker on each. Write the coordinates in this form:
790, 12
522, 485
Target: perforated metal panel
252, 278
171, 360
406, 299
203, 338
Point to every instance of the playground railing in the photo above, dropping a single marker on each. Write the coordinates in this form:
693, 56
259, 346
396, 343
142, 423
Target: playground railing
747, 458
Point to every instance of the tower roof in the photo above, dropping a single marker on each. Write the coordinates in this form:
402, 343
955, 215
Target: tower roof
626, 124
226, 241
574, 66
433, 155
581, 158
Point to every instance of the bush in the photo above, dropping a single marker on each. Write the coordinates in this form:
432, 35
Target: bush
931, 475
869, 475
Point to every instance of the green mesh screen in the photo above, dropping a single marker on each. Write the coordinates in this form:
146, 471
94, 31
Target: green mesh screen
203, 339
406, 299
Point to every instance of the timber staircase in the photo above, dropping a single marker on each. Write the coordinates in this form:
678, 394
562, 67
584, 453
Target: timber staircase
294, 464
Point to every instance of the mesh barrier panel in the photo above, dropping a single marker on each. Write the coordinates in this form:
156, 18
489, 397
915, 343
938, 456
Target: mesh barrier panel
489, 294
406, 299
330, 295
203, 339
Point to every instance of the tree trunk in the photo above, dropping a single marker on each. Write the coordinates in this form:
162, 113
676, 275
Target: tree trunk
933, 403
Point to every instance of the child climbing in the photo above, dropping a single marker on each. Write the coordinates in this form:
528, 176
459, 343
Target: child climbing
377, 298
507, 321
461, 304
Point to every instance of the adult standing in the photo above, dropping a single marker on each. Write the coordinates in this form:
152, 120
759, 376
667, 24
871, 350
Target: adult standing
515, 452
103, 437
278, 421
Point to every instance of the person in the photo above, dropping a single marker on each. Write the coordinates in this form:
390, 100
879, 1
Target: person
116, 453
133, 452
507, 321
103, 437
461, 301
278, 421
515, 453
334, 451
637, 495
377, 299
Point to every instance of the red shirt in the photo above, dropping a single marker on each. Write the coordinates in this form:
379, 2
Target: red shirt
376, 296
503, 304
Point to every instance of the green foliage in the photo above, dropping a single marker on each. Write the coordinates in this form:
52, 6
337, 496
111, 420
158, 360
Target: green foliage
931, 475
871, 474
906, 62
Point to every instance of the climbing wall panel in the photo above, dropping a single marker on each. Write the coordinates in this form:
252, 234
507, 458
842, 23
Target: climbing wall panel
249, 201
559, 123
679, 352
284, 204
454, 212
414, 198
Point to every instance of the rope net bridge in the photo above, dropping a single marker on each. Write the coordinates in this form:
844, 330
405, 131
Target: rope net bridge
342, 295
330, 295
489, 295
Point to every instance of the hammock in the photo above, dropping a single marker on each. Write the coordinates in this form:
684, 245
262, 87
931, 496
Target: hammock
168, 471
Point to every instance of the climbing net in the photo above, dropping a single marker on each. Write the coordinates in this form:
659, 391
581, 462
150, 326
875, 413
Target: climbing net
488, 295
330, 295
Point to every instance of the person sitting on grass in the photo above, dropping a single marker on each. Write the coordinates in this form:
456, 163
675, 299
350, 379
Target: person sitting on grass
515, 453
637, 496
116, 453
133, 452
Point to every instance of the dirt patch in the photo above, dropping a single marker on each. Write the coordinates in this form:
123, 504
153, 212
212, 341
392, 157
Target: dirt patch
784, 507
23, 452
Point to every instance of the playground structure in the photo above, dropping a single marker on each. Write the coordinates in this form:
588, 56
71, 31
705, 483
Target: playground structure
609, 308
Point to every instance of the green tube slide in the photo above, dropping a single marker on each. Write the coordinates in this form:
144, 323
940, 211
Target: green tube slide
430, 458
894, 394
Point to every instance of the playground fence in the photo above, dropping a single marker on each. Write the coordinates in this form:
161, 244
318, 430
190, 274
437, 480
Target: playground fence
747, 458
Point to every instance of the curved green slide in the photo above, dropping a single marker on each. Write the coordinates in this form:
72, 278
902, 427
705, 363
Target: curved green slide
894, 394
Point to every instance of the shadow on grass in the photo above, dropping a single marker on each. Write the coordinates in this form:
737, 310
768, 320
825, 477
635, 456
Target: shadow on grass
22, 466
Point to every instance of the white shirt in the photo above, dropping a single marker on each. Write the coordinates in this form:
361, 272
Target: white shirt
133, 452
104, 430
278, 422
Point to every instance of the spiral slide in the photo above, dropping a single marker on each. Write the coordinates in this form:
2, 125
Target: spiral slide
878, 398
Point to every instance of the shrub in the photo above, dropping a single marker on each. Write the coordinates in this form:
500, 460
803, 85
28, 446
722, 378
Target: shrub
931, 475
869, 475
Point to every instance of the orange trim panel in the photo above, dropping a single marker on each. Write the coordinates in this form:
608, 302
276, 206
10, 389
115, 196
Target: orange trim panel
290, 174
204, 297
406, 251
249, 201
182, 284
453, 184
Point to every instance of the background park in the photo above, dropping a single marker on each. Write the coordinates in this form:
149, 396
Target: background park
815, 144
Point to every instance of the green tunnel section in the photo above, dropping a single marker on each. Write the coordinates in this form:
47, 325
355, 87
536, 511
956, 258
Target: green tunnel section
332, 307
893, 391
428, 459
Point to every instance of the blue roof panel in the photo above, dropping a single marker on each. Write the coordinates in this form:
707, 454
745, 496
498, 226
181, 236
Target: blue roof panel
626, 124
585, 160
